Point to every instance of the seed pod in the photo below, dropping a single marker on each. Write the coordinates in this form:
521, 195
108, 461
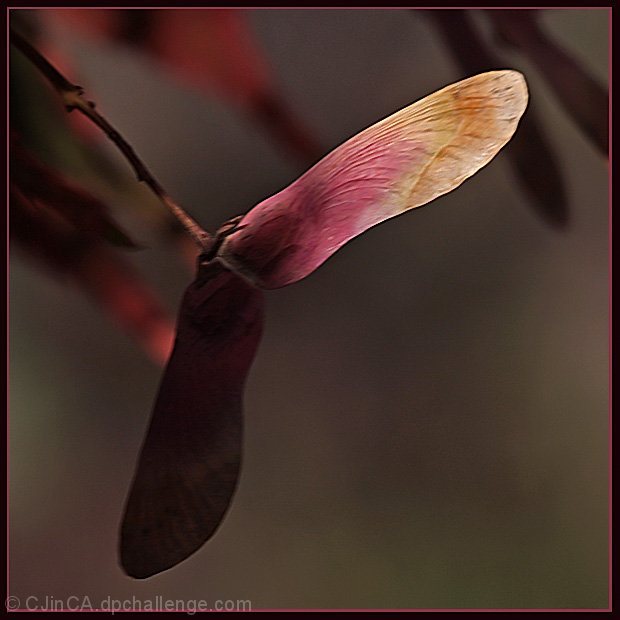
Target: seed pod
190, 460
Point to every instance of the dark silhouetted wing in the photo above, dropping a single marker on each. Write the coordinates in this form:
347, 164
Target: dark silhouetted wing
189, 463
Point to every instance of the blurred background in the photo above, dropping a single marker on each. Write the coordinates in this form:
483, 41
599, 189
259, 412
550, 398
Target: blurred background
427, 415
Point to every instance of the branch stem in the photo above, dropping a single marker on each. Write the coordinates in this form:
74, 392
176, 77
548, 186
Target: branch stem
72, 96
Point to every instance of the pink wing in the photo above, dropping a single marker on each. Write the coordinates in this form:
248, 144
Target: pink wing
189, 464
402, 162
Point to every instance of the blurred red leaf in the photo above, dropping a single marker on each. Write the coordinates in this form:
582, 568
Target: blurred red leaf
212, 49
72, 143
64, 228
51, 191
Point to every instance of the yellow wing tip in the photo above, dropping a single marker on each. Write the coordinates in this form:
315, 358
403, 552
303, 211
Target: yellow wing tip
513, 81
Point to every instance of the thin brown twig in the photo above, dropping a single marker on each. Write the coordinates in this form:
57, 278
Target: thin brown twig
72, 96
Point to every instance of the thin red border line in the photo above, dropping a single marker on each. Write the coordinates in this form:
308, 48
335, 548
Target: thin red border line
610, 253
303, 8
7, 302
448, 609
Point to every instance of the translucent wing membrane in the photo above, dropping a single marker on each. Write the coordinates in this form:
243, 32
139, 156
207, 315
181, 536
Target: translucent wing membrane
189, 463
402, 162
